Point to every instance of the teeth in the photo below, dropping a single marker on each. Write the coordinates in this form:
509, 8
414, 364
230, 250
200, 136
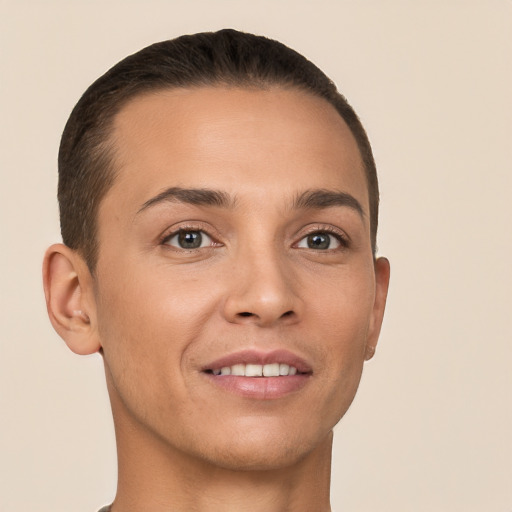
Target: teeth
238, 369
271, 370
253, 370
257, 370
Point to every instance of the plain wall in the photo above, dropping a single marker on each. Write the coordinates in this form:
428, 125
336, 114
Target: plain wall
430, 429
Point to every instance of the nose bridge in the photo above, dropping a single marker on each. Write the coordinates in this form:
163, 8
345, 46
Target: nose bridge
262, 288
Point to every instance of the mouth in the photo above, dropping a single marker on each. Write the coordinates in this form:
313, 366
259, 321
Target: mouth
256, 370
258, 375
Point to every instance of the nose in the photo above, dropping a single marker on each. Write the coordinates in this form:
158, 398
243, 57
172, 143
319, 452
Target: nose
262, 291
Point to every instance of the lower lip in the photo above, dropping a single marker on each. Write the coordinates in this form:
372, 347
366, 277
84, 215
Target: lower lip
260, 388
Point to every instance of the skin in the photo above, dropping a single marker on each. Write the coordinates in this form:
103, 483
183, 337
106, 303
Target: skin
161, 313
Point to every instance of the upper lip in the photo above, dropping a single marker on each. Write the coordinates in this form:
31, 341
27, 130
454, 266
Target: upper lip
260, 357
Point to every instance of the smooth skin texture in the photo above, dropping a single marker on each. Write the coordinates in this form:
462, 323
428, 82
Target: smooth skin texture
182, 281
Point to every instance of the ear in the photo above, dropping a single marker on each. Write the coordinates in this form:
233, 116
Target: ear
70, 299
382, 271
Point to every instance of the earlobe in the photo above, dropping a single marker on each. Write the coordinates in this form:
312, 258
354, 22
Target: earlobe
369, 352
69, 299
382, 273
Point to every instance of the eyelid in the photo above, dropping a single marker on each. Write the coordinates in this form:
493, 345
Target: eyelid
338, 233
205, 238
174, 230
210, 232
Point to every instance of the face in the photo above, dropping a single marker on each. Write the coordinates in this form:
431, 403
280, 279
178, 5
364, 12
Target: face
235, 287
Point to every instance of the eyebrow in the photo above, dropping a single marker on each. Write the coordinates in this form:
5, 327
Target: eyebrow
322, 198
309, 199
195, 196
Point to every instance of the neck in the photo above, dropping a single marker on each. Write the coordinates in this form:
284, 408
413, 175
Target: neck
155, 476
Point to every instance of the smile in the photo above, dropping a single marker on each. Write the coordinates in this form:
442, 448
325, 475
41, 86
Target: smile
261, 376
257, 370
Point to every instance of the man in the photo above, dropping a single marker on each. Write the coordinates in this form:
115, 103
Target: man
219, 208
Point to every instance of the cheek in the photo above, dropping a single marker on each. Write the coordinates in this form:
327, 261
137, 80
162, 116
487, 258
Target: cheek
148, 320
150, 307
145, 328
344, 307
342, 318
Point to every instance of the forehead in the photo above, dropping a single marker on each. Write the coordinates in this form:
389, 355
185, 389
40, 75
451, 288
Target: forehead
244, 141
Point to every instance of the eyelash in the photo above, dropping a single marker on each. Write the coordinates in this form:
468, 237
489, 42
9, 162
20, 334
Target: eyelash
184, 229
343, 240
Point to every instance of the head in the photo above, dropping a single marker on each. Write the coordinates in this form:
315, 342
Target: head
219, 210
230, 58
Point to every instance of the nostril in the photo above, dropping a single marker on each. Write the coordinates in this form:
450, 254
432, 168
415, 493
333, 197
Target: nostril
248, 314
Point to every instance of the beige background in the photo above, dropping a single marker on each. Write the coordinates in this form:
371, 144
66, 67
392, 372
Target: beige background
431, 427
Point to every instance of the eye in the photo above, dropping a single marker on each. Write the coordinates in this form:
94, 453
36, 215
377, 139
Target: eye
189, 239
320, 240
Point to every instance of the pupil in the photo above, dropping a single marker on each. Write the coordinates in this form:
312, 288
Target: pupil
190, 239
318, 241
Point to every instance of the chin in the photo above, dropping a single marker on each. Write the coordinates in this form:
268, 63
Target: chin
257, 459
264, 449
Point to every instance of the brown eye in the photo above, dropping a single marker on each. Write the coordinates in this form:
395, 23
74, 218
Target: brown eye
319, 241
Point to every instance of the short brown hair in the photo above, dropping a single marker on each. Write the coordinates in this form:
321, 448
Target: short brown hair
226, 57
